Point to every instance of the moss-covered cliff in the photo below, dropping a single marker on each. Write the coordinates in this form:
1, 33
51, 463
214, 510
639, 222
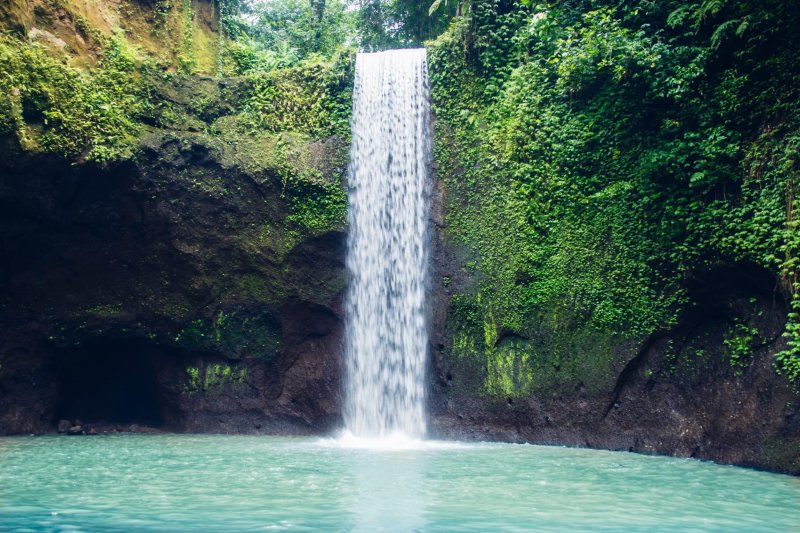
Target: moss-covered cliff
176, 237
618, 251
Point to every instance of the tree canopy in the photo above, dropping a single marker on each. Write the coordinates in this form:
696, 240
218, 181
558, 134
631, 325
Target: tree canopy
267, 34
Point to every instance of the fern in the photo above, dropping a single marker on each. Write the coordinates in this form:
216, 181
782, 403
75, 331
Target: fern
709, 8
722, 29
677, 17
743, 25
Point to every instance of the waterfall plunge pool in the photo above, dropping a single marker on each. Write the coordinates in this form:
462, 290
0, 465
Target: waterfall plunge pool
244, 483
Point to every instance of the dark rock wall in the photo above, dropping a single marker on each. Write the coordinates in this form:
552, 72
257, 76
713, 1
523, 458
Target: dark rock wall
678, 392
177, 269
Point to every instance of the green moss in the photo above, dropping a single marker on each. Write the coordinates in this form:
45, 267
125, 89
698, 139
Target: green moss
314, 97
583, 169
255, 153
311, 181
52, 107
240, 333
186, 57
266, 242
259, 288
312, 185
204, 51
234, 333
552, 353
213, 377
509, 369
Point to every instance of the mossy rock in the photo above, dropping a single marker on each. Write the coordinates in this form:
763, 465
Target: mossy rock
237, 334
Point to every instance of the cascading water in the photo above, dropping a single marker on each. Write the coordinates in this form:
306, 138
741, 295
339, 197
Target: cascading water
387, 245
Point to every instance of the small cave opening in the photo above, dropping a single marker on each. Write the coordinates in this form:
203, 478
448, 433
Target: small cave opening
109, 383
730, 294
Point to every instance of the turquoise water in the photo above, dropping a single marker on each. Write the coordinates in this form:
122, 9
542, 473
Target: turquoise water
234, 483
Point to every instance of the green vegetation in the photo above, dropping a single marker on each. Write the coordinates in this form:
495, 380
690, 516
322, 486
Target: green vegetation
595, 156
739, 342
186, 57
50, 101
314, 97
382, 24
89, 100
269, 34
52, 107
317, 202
277, 34
213, 377
236, 333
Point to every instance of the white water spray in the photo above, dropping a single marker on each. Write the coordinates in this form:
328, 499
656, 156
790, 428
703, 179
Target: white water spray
387, 246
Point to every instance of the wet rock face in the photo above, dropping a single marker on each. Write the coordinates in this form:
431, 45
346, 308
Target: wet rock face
706, 388
709, 385
168, 291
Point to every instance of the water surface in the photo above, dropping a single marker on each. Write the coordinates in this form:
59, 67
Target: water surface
236, 483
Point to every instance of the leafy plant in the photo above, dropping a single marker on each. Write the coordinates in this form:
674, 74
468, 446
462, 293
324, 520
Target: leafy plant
53, 107
594, 157
739, 343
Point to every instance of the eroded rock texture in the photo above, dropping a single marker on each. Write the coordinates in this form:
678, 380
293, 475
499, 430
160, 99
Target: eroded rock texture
705, 388
174, 289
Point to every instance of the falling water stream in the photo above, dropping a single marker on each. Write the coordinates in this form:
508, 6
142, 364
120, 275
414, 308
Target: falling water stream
386, 250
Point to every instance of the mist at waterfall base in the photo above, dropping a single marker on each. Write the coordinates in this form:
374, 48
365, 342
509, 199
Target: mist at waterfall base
386, 337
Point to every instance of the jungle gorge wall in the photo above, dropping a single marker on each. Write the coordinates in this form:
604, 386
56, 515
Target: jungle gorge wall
172, 244
616, 253
614, 248
188, 251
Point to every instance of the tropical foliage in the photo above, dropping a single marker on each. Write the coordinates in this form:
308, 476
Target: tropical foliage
599, 154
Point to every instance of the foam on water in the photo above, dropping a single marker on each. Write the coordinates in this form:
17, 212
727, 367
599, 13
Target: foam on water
393, 442
387, 247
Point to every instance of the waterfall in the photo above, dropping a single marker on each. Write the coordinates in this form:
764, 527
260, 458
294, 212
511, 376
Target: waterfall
387, 246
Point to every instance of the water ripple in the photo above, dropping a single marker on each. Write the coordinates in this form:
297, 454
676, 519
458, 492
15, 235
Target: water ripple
201, 483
